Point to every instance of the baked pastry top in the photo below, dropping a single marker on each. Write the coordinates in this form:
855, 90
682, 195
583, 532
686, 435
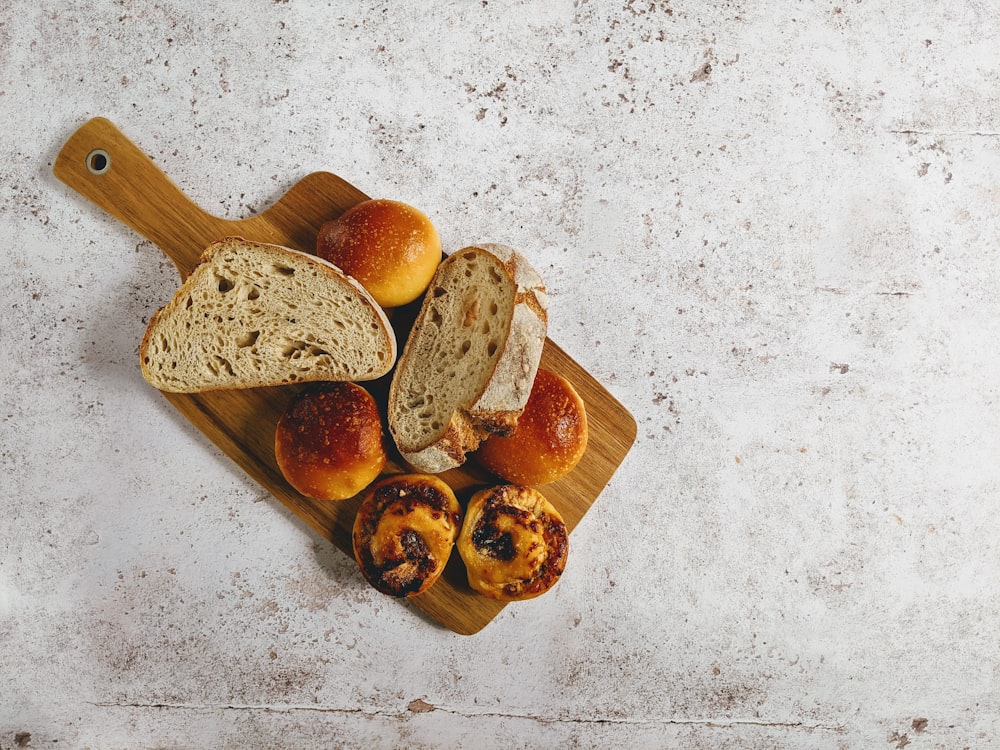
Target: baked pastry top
404, 532
513, 542
391, 247
328, 442
550, 437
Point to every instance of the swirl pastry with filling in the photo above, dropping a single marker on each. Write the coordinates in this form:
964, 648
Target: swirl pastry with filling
404, 531
514, 543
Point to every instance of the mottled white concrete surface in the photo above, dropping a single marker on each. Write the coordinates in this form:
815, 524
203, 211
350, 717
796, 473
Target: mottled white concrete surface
770, 229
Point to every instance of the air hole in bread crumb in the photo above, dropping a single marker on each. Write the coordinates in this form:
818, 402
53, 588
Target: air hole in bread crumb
224, 284
248, 339
471, 313
466, 345
440, 291
254, 293
282, 270
493, 309
225, 364
187, 305
492, 348
293, 349
496, 275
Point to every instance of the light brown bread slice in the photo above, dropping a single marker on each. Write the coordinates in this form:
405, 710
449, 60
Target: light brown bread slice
467, 367
253, 314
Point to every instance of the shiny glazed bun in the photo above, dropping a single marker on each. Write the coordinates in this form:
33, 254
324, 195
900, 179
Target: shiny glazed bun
404, 531
329, 443
390, 247
550, 437
513, 542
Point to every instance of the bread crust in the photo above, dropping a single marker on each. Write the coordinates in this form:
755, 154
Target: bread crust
450, 449
496, 408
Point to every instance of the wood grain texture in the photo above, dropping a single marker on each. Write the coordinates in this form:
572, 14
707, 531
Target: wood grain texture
242, 422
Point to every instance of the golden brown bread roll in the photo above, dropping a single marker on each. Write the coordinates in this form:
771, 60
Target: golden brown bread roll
404, 531
390, 247
513, 542
550, 437
329, 443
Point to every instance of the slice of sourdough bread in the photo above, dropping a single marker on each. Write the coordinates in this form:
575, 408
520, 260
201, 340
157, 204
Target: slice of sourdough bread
468, 365
253, 314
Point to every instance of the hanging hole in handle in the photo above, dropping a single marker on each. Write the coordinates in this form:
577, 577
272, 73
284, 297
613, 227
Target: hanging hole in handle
98, 161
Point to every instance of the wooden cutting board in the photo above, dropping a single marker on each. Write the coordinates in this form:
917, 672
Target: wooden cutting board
103, 165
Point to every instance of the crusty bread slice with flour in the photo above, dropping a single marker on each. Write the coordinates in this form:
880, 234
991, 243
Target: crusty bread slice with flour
253, 314
468, 365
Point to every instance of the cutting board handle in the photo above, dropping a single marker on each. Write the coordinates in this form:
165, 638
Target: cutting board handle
103, 165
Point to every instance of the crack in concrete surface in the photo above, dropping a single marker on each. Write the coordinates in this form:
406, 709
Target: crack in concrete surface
721, 723
946, 133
